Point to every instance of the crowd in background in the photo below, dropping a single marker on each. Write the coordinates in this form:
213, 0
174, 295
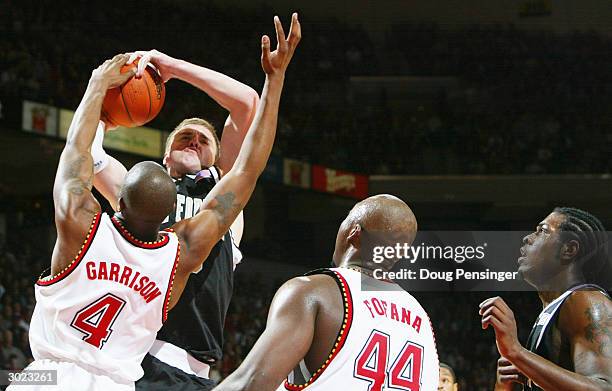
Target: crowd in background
525, 102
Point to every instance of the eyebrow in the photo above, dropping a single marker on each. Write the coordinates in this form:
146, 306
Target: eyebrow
191, 131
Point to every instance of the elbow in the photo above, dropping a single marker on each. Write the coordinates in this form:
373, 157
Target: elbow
252, 98
250, 101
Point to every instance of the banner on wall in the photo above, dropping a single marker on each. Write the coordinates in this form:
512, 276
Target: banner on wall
39, 118
296, 173
140, 141
339, 182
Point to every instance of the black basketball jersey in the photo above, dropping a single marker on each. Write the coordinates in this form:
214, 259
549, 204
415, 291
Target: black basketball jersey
541, 338
196, 322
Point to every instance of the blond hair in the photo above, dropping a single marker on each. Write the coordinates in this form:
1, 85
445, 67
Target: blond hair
194, 121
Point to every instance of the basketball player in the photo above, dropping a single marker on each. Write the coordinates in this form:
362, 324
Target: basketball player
570, 345
448, 380
113, 279
192, 339
342, 329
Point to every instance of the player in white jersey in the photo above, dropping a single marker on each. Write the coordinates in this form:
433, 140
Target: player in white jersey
340, 328
104, 308
113, 279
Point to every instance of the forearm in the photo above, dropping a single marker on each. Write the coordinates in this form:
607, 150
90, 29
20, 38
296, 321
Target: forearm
240, 380
85, 121
549, 376
227, 92
109, 181
259, 140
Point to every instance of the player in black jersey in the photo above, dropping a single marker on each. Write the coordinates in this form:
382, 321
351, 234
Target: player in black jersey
570, 345
192, 338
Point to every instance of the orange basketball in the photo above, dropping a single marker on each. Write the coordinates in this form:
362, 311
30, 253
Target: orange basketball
136, 102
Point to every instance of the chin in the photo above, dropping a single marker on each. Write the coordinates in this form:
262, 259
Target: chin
525, 273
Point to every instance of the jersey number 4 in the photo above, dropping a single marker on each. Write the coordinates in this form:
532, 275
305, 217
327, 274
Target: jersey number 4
97, 318
403, 374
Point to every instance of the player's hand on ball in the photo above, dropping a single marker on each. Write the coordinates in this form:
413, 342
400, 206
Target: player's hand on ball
495, 312
276, 62
161, 61
110, 74
507, 375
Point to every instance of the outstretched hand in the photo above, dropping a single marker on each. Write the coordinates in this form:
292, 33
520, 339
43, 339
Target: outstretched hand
110, 74
275, 63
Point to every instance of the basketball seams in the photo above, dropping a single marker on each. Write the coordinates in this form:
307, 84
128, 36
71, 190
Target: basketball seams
148, 116
125, 106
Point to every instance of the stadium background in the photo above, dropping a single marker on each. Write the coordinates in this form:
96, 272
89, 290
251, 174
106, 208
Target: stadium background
480, 114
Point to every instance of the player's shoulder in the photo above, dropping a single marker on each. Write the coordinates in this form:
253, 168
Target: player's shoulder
584, 308
309, 283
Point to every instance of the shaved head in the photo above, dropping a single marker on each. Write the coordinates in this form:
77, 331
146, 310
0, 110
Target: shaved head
380, 220
148, 193
384, 213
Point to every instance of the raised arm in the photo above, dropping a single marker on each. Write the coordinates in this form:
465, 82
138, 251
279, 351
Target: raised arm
230, 195
237, 98
109, 173
74, 204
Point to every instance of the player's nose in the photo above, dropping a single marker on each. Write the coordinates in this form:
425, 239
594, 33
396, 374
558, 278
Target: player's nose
194, 142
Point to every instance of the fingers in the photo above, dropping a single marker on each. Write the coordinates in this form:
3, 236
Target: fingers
119, 59
489, 313
503, 362
494, 301
125, 76
133, 57
145, 58
265, 49
514, 378
491, 320
295, 31
280, 35
511, 370
142, 64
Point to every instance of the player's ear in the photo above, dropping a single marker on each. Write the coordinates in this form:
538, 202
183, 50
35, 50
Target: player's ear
165, 159
121, 205
569, 250
354, 236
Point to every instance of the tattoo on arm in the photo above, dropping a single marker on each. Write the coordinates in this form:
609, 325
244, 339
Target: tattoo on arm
599, 330
225, 208
79, 186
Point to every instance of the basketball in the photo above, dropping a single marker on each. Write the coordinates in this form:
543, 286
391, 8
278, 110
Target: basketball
136, 102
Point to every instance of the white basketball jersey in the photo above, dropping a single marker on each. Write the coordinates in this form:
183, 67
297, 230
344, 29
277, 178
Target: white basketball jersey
385, 343
105, 308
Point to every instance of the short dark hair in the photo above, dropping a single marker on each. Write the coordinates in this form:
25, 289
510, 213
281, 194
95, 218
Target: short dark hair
444, 365
592, 238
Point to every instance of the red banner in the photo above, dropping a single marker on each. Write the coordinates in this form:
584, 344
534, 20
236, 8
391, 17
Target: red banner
339, 182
